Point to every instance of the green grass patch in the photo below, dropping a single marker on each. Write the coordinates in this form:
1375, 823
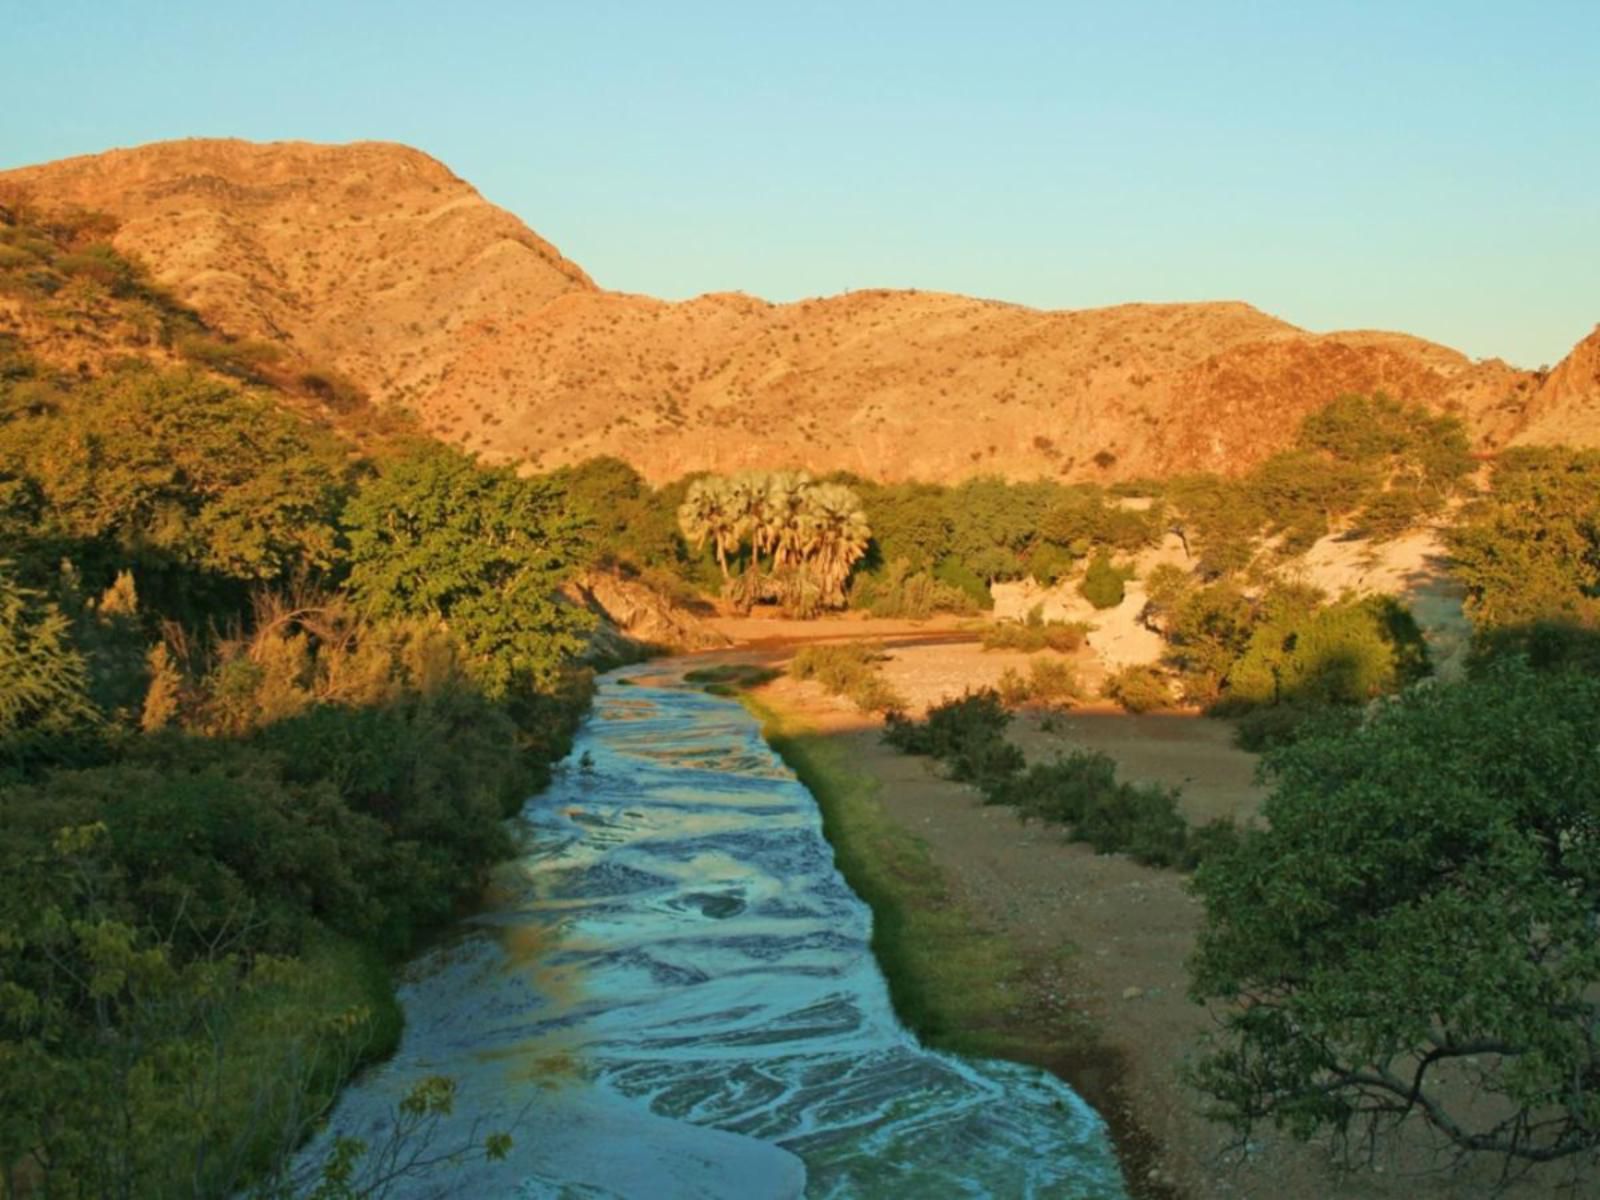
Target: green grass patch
731, 679
957, 985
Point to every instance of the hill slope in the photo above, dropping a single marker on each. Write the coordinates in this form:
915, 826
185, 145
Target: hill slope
1566, 408
374, 259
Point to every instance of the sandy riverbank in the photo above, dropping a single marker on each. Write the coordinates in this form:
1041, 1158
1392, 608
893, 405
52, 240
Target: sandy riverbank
1129, 929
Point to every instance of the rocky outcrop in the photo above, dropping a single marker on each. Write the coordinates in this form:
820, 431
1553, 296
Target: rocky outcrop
637, 620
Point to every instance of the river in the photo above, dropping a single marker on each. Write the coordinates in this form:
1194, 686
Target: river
672, 995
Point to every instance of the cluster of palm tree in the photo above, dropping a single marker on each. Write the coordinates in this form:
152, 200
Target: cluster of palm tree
798, 538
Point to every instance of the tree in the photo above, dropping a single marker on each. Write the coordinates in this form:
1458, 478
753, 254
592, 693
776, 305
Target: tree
1344, 653
1409, 936
44, 680
711, 513
1102, 584
170, 466
835, 536
1530, 551
436, 535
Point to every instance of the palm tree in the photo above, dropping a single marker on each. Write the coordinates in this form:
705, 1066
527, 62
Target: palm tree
710, 512
835, 536
783, 516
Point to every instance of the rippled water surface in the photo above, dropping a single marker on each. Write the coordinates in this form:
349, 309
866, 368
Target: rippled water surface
674, 996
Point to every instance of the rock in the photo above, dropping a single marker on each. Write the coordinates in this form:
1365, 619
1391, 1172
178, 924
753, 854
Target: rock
641, 618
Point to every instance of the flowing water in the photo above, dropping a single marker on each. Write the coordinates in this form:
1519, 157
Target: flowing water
673, 995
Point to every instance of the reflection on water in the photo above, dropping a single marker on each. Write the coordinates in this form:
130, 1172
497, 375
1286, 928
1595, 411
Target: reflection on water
673, 995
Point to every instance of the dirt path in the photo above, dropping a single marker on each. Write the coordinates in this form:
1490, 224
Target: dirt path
1128, 930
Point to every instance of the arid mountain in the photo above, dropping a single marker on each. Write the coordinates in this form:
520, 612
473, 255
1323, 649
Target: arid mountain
1566, 408
375, 260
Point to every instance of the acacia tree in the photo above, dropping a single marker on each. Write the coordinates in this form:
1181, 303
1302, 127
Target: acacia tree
1410, 937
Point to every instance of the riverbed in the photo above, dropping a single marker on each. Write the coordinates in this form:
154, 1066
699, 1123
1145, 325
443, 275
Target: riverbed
673, 994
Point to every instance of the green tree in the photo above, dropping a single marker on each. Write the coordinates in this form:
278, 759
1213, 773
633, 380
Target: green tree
1530, 550
45, 708
1344, 653
160, 466
437, 535
1102, 584
1409, 936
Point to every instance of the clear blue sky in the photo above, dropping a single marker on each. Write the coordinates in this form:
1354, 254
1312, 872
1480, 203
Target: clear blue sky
1430, 167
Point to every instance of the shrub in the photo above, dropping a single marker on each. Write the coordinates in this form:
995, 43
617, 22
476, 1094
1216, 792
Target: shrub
1032, 636
1346, 653
1139, 688
1102, 584
951, 571
1277, 725
966, 734
848, 669
897, 592
1081, 791
1013, 688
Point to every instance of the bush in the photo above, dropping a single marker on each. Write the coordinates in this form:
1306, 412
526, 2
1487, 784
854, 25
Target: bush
897, 592
1081, 791
1102, 584
954, 573
1032, 636
849, 669
1346, 653
1277, 725
966, 734
1139, 688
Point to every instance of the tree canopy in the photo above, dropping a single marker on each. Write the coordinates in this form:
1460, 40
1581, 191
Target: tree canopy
434, 534
1410, 935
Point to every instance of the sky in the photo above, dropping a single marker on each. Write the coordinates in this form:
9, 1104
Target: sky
1427, 167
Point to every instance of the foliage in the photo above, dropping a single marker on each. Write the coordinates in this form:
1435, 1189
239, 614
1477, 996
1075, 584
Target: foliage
1102, 584
627, 521
850, 669
895, 591
1410, 934
1345, 653
1035, 634
966, 734
800, 538
159, 468
434, 535
1082, 792
45, 709
1049, 682
1208, 631
1530, 550
1139, 688
954, 573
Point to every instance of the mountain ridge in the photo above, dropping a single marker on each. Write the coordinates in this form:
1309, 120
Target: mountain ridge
377, 260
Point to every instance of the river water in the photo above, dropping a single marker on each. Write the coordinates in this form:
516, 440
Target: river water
673, 995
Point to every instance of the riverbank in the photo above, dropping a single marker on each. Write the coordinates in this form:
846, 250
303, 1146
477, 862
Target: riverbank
959, 980
1093, 947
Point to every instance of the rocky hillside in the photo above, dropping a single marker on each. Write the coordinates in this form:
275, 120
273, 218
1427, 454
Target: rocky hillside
376, 261
1566, 408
